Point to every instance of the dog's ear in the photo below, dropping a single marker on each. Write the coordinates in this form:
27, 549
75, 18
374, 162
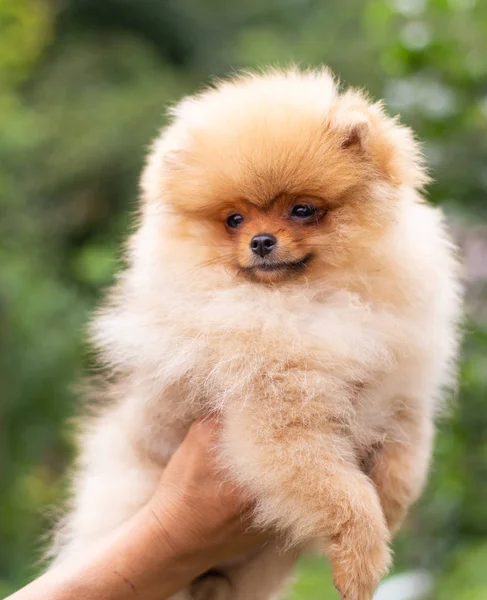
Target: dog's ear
355, 135
351, 122
166, 155
365, 128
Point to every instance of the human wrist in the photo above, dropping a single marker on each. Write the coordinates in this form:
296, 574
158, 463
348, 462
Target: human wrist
174, 522
144, 556
195, 529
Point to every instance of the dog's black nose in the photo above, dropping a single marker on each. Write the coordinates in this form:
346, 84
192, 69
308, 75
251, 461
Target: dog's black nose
263, 244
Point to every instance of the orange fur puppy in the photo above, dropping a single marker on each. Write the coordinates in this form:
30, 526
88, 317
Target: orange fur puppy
287, 274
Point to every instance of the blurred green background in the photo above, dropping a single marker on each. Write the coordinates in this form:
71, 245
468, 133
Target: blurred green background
83, 88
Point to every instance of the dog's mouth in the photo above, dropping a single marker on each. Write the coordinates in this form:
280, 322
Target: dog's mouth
282, 267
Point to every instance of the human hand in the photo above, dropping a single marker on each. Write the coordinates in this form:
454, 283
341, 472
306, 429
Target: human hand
196, 509
195, 520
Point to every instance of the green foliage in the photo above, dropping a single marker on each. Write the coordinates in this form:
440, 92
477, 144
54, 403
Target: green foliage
25, 25
83, 89
466, 578
313, 581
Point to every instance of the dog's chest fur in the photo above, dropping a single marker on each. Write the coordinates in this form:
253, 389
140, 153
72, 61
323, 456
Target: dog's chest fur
273, 351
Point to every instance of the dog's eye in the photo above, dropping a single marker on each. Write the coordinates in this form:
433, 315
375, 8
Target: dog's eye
234, 221
303, 211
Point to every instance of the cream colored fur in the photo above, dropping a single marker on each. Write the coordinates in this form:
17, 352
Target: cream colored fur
327, 382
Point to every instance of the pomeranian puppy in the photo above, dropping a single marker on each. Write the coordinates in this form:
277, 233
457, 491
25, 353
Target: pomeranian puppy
287, 274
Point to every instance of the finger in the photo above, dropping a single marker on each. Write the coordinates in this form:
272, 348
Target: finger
206, 429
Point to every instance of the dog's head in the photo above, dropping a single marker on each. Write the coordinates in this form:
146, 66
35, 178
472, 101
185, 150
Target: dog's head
277, 177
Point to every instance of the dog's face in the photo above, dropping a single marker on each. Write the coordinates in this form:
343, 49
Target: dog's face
278, 178
277, 241
290, 236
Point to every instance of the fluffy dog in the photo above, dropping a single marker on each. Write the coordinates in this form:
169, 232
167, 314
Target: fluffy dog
287, 274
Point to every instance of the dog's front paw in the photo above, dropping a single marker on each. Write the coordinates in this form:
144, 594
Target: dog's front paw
361, 579
360, 556
211, 585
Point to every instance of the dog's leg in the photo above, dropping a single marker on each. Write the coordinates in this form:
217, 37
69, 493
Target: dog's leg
264, 577
306, 480
400, 466
260, 577
110, 485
